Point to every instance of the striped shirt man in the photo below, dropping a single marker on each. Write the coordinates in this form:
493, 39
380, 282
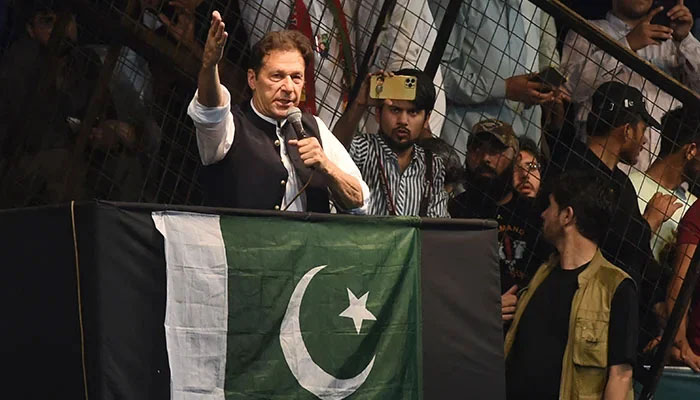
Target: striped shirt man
406, 190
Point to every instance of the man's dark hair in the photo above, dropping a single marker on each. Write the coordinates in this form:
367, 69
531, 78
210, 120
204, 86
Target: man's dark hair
591, 198
425, 90
529, 145
454, 171
680, 127
287, 40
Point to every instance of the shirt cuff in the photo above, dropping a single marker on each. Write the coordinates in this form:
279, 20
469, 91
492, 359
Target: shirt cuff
365, 201
689, 45
499, 89
209, 115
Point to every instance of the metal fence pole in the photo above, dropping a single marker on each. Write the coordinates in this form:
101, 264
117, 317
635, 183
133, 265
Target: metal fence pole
386, 11
448, 23
679, 309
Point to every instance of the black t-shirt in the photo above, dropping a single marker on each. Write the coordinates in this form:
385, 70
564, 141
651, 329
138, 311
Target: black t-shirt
627, 243
521, 249
533, 368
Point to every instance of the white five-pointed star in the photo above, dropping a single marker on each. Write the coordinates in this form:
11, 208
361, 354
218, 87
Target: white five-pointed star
357, 310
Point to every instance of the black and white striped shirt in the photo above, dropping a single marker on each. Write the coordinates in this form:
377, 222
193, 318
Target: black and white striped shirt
408, 187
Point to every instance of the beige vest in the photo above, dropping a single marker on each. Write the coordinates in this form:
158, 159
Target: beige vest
585, 364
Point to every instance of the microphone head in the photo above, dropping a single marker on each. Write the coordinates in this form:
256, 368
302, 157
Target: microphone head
294, 114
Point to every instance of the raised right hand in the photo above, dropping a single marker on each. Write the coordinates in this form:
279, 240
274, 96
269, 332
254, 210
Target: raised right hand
363, 98
646, 33
686, 355
216, 41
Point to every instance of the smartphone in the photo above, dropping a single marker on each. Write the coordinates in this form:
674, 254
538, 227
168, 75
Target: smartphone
397, 87
661, 18
551, 77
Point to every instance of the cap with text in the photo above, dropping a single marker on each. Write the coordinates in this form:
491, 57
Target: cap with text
615, 102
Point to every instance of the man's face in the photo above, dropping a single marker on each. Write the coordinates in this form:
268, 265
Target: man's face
401, 123
488, 157
278, 84
552, 225
632, 9
527, 175
40, 27
490, 164
635, 141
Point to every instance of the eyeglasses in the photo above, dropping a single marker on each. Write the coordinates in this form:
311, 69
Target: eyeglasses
530, 166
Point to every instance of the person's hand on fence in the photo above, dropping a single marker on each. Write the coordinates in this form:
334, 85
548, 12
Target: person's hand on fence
685, 354
216, 41
109, 133
363, 98
646, 33
509, 300
660, 208
181, 27
681, 21
651, 346
523, 89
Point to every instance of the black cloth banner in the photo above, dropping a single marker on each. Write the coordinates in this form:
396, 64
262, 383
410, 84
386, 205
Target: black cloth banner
122, 286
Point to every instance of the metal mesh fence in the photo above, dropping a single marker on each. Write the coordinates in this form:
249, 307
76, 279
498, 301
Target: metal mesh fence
94, 97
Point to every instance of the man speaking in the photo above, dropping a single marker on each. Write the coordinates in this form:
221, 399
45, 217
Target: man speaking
255, 158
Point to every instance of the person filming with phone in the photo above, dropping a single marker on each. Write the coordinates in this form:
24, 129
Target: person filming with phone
404, 178
658, 31
266, 153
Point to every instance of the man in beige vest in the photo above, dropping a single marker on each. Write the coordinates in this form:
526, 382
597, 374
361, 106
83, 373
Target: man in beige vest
574, 334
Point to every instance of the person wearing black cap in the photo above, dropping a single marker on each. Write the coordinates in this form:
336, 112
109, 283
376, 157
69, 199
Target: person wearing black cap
667, 45
616, 128
492, 149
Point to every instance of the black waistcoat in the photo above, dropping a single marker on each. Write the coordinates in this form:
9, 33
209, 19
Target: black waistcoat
252, 175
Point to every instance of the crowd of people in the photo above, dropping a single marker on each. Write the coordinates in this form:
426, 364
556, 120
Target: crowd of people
583, 243
592, 179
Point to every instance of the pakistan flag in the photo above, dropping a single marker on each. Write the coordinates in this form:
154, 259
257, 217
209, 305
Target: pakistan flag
286, 308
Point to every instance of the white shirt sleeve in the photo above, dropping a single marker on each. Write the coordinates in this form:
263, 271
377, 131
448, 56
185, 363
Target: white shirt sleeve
215, 128
587, 66
339, 156
689, 49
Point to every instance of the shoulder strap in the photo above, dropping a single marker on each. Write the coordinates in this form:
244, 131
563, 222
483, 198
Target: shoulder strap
427, 192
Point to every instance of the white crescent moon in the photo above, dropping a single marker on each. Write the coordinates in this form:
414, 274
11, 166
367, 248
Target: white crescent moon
309, 375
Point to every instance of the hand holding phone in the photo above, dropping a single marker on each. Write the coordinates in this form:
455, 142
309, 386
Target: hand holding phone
551, 78
662, 18
647, 33
397, 87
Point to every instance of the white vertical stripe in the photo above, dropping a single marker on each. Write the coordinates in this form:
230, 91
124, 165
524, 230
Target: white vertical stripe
196, 310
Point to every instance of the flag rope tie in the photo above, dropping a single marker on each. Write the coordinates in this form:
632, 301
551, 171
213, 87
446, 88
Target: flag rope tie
80, 304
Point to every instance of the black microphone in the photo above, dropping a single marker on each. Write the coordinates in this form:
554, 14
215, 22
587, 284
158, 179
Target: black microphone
294, 118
